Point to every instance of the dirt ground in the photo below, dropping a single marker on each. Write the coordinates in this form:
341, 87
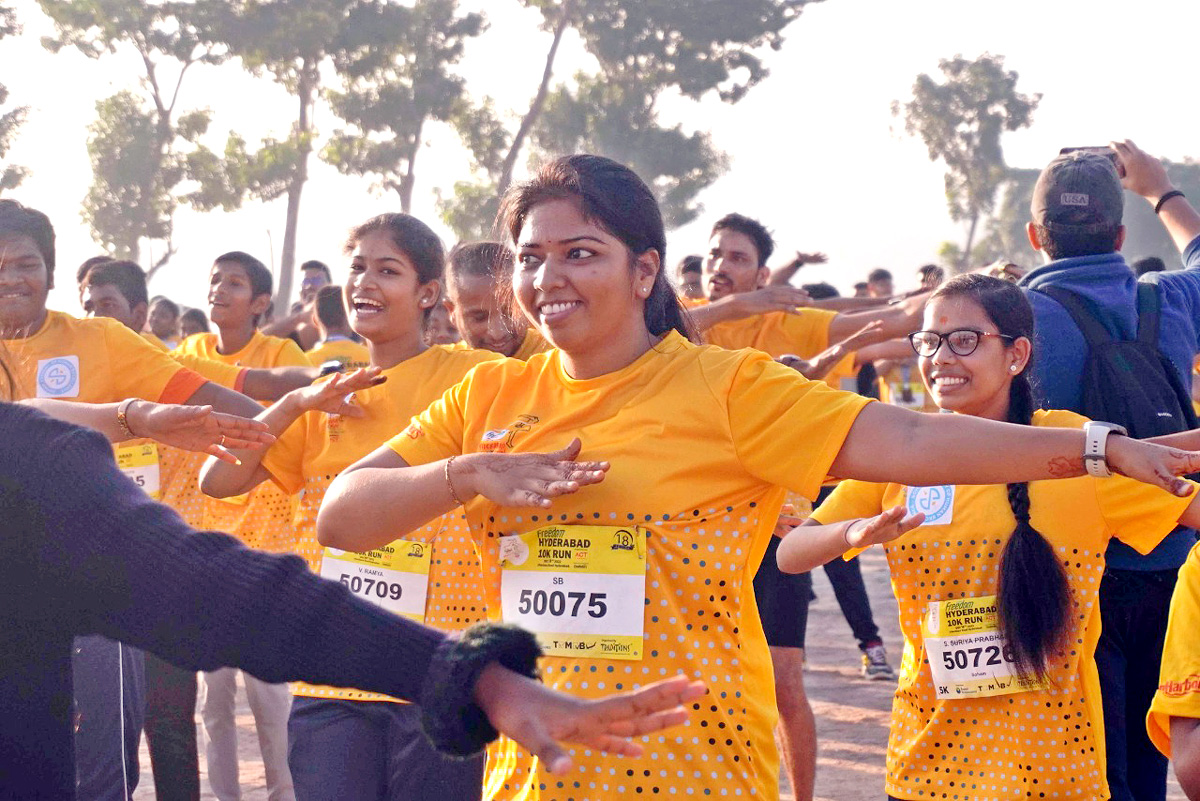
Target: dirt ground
852, 713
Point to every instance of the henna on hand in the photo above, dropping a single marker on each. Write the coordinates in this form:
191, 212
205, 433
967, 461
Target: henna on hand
1066, 467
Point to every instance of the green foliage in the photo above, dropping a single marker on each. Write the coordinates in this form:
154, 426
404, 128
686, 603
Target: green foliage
696, 46
11, 175
960, 118
130, 198
1144, 232
619, 121
133, 148
387, 102
471, 211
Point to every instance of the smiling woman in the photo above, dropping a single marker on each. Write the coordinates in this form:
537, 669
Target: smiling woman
687, 453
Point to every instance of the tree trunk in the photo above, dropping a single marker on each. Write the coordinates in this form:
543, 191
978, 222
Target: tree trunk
965, 262
409, 179
306, 92
539, 100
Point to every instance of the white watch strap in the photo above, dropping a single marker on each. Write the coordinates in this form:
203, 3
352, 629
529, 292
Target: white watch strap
1095, 447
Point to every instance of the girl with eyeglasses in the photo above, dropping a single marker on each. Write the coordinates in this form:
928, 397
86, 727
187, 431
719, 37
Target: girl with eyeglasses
997, 584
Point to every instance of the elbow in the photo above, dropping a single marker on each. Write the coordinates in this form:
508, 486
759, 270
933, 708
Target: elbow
213, 484
331, 522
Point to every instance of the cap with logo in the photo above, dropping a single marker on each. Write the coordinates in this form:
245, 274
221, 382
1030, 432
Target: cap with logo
1078, 192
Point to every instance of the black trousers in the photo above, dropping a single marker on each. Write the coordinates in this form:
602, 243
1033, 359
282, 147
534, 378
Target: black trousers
171, 730
851, 592
1133, 611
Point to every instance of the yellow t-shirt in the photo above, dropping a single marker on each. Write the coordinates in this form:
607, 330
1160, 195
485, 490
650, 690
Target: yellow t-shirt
263, 518
96, 360
314, 449
1042, 743
1178, 692
227, 375
352, 355
701, 441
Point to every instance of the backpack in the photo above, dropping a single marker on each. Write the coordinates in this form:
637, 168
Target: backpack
1129, 382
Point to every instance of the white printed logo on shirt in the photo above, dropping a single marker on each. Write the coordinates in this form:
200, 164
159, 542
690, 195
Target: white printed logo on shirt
58, 377
936, 503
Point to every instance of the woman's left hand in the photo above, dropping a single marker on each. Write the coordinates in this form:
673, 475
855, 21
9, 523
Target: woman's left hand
1147, 462
539, 718
197, 428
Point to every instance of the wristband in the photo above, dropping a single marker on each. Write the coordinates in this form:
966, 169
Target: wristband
1095, 447
1173, 193
451, 718
123, 418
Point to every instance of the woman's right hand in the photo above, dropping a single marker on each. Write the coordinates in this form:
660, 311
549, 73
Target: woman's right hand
524, 479
335, 396
882, 528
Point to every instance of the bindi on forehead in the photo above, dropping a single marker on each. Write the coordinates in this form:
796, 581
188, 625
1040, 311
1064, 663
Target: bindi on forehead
943, 320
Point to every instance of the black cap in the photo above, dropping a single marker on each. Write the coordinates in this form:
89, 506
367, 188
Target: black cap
1078, 192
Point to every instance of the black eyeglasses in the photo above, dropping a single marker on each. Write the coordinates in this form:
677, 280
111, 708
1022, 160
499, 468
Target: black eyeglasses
962, 341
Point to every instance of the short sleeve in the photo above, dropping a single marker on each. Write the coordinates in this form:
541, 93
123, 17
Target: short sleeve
438, 432
786, 429
290, 355
226, 375
140, 370
851, 499
284, 460
1138, 514
807, 331
1178, 692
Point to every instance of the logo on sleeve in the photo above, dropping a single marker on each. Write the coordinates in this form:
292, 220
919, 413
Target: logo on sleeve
502, 440
936, 503
58, 377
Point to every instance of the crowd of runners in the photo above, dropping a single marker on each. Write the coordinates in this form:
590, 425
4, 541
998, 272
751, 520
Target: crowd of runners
573, 460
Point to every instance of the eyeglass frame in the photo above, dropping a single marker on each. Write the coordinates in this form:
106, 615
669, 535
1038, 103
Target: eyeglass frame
945, 339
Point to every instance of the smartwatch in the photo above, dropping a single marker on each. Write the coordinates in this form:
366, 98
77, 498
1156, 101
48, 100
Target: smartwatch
1094, 447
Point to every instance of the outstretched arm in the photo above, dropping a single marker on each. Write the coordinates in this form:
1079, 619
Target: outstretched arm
890, 444
381, 495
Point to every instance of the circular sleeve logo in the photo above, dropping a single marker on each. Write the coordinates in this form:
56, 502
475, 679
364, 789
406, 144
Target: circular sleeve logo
936, 503
58, 377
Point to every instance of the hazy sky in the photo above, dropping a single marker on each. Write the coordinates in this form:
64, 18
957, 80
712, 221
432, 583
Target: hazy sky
815, 151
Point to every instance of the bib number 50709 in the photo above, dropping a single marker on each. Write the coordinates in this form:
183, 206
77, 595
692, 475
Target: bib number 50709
580, 589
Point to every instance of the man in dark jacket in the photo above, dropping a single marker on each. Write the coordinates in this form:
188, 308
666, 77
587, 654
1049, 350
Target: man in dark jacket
1077, 211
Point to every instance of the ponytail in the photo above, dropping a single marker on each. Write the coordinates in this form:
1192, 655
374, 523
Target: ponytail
665, 313
1032, 594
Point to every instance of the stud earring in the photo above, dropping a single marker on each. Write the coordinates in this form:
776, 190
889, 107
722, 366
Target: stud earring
1012, 368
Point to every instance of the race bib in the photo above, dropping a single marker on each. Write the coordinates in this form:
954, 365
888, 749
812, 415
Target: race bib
140, 463
967, 654
936, 503
395, 577
580, 589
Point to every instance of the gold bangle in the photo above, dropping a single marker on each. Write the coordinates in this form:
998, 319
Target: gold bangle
123, 418
450, 484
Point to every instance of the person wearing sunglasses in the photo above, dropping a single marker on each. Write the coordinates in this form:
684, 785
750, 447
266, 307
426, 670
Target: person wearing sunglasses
998, 585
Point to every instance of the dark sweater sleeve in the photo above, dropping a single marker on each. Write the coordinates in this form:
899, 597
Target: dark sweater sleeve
131, 569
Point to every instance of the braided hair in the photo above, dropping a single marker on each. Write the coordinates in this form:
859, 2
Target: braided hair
1032, 594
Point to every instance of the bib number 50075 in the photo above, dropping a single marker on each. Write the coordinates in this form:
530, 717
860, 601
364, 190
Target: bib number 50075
562, 604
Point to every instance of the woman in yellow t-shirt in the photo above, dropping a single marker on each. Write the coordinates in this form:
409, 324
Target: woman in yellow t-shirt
998, 586
636, 563
364, 744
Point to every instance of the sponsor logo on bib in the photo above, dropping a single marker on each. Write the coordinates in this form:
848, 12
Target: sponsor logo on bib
58, 377
936, 503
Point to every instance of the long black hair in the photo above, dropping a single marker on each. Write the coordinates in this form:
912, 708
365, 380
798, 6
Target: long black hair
1032, 594
615, 198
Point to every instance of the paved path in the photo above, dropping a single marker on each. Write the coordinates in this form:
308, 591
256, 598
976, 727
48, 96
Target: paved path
852, 714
